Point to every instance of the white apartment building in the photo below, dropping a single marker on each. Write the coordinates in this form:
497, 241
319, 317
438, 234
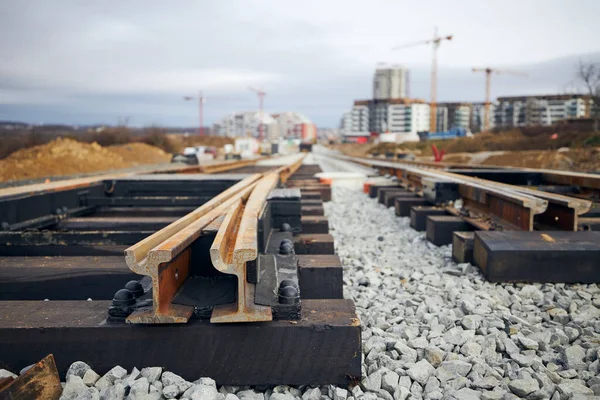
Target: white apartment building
360, 118
390, 83
244, 124
407, 118
540, 110
346, 123
453, 115
290, 123
274, 126
478, 116
402, 116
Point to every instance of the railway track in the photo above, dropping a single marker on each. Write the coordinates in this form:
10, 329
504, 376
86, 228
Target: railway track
515, 224
235, 275
229, 269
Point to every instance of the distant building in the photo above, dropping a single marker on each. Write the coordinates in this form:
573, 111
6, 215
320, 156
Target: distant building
346, 123
290, 125
401, 116
390, 83
453, 115
360, 118
478, 116
546, 110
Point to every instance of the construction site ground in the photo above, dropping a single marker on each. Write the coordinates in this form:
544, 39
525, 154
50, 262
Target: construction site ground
583, 160
573, 151
66, 157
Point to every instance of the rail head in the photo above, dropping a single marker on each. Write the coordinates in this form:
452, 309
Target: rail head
165, 256
236, 244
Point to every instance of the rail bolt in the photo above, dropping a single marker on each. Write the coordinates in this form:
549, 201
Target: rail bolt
286, 247
123, 298
135, 288
287, 282
288, 295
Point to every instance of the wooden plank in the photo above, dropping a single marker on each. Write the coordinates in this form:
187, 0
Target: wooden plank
317, 243
120, 223
419, 214
312, 210
374, 188
315, 224
312, 202
311, 195
63, 278
324, 192
41, 381
462, 247
403, 205
381, 192
441, 227
390, 197
324, 347
589, 224
320, 276
49, 243
67, 251
552, 256
143, 211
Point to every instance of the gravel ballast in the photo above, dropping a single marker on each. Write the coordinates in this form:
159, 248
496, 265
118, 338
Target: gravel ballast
432, 329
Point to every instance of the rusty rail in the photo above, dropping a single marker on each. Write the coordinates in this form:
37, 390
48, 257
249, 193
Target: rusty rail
512, 209
513, 206
165, 255
234, 246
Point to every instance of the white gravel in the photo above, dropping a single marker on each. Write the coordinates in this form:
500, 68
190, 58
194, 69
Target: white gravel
432, 329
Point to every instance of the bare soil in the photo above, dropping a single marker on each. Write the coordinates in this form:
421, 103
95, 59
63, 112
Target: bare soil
65, 156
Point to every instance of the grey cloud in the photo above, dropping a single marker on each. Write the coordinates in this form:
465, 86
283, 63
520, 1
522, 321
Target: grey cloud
74, 61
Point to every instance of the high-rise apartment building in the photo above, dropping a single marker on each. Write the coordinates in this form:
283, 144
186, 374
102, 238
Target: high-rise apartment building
540, 110
390, 83
478, 116
401, 116
453, 115
360, 118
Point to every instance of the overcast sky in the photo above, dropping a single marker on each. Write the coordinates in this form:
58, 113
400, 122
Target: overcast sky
86, 62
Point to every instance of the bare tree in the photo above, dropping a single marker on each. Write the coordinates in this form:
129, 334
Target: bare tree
589, 74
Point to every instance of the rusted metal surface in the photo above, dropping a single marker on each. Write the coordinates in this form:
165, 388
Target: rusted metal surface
234, 246
222, 166
515, 207
168, 266
41, 381
164, 255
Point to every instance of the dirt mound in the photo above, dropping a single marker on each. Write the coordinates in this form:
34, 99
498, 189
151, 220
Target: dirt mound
532, 159
65, 156
584, 160
140, 153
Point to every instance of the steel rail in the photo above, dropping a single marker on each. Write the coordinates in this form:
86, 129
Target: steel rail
66, 184
479, 194
590, 183
165, 255
236, 244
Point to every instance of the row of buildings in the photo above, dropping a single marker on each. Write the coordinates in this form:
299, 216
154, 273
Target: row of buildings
285, 125
391, 110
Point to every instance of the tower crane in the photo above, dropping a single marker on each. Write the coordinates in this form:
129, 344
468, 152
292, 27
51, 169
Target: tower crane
261, 94
435, 42
201, 100
488, 86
